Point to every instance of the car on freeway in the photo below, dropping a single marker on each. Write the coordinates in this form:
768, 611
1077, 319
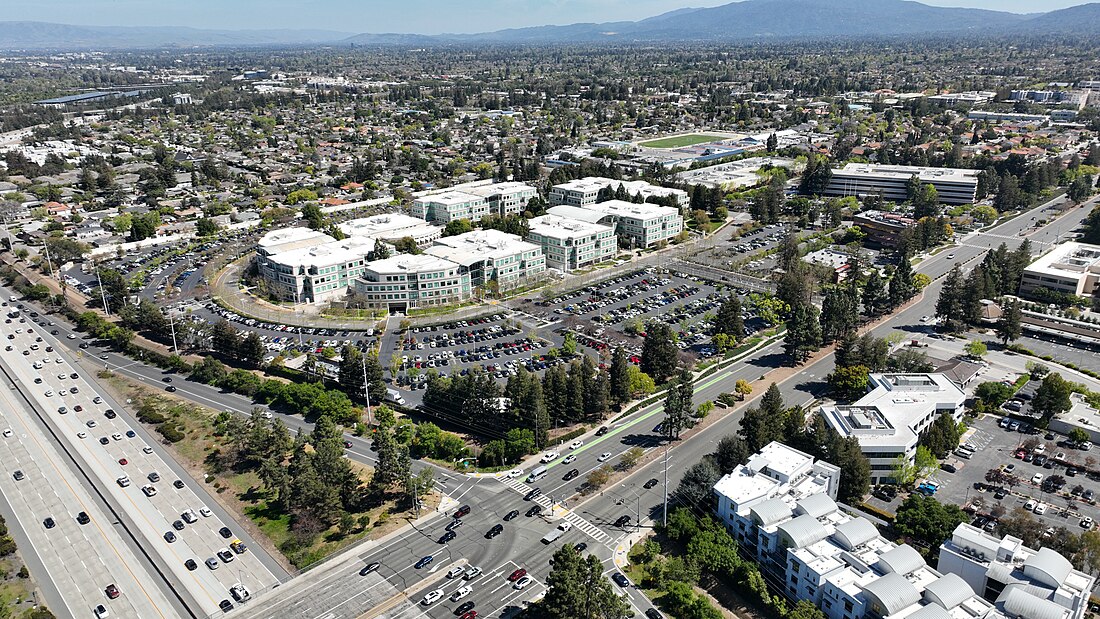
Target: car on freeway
191, 565
189, 517
178, 484
83, 518
205, 512
569, 459
149, 491
225, 556
177, 525
225, 532
18, 475
154, 477
432, 597
169, 537
103, 440
516, 575
170, 388
238, 546
510, 515
225, 606
112, 591
424, 561
100, 612
370, 567
123, 481
49, 523
572, 474
212, 563
604, 457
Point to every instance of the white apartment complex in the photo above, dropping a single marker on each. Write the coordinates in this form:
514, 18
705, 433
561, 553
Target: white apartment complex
637, 225
570, 244
1072, 268
505, 198
492, 256
954, 185
585, 191
1019, 581
780, 508
889, 421
450, 206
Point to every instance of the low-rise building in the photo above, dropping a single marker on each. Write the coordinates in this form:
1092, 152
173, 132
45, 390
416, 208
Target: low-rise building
883, 229
889, 420
505, 198
954, 185
1019, 581
392, 227
570, 244
410, 281
450, 206
637, 225
1071, 268
315, 273
492, 256
586, 191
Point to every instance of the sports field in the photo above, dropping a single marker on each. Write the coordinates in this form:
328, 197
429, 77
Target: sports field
679, 141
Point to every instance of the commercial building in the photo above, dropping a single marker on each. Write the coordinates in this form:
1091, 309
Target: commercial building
637, 225
570, 244
450, 206
585, 191
1019, 581
954, 185
735, 174
780, 508
1072, 268
505, 198
409, 281
393, 227
890, 419
883, 229
317, 272
492, 257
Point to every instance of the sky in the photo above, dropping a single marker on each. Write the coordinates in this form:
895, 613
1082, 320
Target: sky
378, 16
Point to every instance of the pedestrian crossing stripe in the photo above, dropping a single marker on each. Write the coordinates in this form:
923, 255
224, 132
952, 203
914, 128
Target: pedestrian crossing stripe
570, 516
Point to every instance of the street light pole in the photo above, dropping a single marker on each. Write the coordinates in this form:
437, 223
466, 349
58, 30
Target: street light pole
366, 388
664, 510
102, 294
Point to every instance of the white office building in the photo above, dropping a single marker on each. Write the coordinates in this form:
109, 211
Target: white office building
585, 191
637, 225
492, 256
505, 198
315, 273
954, 185
570, 244
392, 227
1072, 268
780, 507
1019, 581
409, 281
897, 410
450, 206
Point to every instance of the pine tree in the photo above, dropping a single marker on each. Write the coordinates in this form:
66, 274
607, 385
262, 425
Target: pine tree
839, 313
729, 320
902, 285
619, 377
803, 332
772, 402
875, 297
1008, 326
949, 306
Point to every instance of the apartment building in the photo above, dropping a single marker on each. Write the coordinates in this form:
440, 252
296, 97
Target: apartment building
409, 281
570, 244
505, 198
586, 191
492, 256
1019, 581
896, 411
637, 225
450, 206
954, 185
1072, 268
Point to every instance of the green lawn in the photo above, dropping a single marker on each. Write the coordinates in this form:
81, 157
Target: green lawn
679, 141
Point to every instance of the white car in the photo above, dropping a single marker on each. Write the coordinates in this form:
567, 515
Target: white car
925, 318
455, 571
149, 491
461, 593
123, 481
514, 473
569, 458
81, 435
432, 597
575, 444
604, 457
522, 583
147, 449
7, 433
549, 456
1030, 505
1037, 478
205, 511
1040, 509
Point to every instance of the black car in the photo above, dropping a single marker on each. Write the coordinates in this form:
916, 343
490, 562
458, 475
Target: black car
167, 379
495, 531
465, 608
454, 524
652, 613
603, 430
74, 376
370, 567
103, 440
580, 547
532, 494
109, 414
225, 532
83, 518
622, 521
49, 523
424, 561
572, 474
448, 536
950, 468
620, 579
225, 605
178, 525
178, 483
649, 484
170, 388
191, 565
534, 511
511, 514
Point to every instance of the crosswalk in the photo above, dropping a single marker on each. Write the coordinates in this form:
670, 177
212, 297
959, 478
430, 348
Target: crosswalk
570, 516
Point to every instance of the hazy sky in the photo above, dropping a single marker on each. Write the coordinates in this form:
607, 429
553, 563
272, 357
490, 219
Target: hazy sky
420, 16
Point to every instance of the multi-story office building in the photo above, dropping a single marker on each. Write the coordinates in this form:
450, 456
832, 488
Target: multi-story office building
450, 206
954, 185
492, 256
505, 198
570, 244
315, 273
1072, 268
586, 191
1019, 581
637, 225
392, 227
883, 229
897, 410
409, 281
780, 508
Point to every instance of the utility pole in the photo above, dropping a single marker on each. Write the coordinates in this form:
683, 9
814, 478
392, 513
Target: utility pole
172, 323
46, 250
664, 510
366, 387
102, 294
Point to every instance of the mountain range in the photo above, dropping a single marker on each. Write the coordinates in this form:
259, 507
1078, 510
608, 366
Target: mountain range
746, 21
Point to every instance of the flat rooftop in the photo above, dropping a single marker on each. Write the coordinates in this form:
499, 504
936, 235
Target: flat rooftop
327, 254
891, 412
380, 225
411, 263
450, 198
496, 189
557, 227
1070, 259
632, 210
472, 247
902, 172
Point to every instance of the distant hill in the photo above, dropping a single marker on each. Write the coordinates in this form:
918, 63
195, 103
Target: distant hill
750, 20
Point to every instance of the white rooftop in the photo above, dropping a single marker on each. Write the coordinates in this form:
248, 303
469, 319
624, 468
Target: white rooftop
291, 238
479, 245
486, 191
328, 254
632, 210
411, 263
889, 414
903, 172
558, 227
1070, 259
381, 225
449, 198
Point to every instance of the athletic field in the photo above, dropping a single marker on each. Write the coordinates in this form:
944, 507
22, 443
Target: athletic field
679, 141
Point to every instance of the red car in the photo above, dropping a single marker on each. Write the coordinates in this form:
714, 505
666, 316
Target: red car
112, 591
469, 615
123, 461
462, 511
516, 575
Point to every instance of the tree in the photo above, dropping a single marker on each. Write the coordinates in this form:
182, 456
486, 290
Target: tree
144, 226
926, 202
903, 471
598, 477
1009, 324
206, 227
925, 461
875, 297
803, 333
619, 374
993, 394
1080, 189
224, 338
742, 388
1052, 397
839, 313
849, 383
1077, 435
381, 250
350, 373
903, 283
728, 320
927, 520
659, 352
576, 588
312, 215
457, 226
251, 349
678, 405
697, 485
943, 436
976, 348
730, 453
949, 305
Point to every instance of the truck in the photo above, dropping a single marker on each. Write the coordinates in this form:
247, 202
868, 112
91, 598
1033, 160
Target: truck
556, 533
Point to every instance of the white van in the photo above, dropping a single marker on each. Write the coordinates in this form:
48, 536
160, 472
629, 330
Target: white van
536, 474
395, 396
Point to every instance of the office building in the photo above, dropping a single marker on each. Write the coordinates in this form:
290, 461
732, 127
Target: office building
505, 198
896, 411
1072, 268
315, 272
883, 229
1019, 581
780, 508
492, 257
570, 244
637, 225
410, 281
954, 185
586, 191
450, 206
392, 227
